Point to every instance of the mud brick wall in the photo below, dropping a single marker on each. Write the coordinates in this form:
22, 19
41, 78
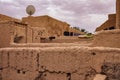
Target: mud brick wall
108, 38
59, 63
11, 32
52, 25
4, 18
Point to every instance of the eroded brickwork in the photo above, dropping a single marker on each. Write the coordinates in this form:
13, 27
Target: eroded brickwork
60, 63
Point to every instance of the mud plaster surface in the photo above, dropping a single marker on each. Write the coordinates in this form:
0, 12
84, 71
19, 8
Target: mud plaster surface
58, 63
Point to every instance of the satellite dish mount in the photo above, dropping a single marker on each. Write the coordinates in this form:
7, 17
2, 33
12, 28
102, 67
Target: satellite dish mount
30, 10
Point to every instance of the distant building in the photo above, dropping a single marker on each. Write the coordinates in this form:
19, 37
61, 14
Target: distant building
75, 32
109, 24
32, 29
4, 18
53, 26
12, 32
113, 21
19, 32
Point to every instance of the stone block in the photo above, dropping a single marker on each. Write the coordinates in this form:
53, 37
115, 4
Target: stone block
100, 77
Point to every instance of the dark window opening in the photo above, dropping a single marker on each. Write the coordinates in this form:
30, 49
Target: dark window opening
66, 33
18, 71
93, 53
51, 38
106, 29
17, 38
76, 34
68, 76
23, 72
71, 33
111, 28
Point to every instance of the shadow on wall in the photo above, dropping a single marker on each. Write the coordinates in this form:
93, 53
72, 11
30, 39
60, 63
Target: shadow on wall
111, 70
66, 33
17, 38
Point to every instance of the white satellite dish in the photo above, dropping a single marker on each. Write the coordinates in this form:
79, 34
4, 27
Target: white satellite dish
30, 10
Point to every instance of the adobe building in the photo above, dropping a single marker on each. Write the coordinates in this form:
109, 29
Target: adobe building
12, 32
69, 62
32, 29
118, 14
7, 18
19, 32
75, 32
53, 26
105, 37
109, 24
113, 21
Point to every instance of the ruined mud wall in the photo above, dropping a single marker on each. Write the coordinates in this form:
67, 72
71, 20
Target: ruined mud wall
109, 38
60, 63
10, 32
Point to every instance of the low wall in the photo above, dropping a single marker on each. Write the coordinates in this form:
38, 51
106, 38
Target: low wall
59, 63
67, 39
41, 45
108, 38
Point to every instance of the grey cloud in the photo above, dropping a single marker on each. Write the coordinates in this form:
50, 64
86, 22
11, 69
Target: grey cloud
75, 12
82, 9
86, 7
99, 7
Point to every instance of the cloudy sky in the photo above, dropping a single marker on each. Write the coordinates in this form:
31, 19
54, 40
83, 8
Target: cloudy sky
86, 14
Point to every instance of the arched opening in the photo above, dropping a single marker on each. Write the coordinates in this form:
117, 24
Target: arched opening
66, 33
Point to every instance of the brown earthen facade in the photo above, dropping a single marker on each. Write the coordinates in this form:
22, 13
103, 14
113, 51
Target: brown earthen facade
113, 21
11, 32
60, 63
53, 26
57, 61
33, 29
109, 38
108, 24
118, 14
18, 32
7, 18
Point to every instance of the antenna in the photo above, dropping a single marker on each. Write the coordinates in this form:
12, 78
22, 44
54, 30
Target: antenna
30, 10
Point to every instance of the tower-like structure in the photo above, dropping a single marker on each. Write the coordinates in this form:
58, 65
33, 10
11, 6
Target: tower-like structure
117, 14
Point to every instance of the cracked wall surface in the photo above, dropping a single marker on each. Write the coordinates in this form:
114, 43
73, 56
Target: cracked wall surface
58, 63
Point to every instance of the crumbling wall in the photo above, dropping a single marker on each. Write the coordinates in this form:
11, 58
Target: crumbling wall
109, 38
60, 63
12, 32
